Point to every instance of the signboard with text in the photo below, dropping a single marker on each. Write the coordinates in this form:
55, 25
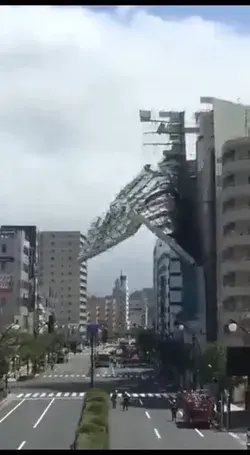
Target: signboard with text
6, 283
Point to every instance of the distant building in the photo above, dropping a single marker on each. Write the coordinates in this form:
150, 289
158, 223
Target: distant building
14, 279
121, 303
138, 311
62, 274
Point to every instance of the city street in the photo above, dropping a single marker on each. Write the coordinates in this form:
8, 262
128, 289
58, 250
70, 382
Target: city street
147, 425
43, 413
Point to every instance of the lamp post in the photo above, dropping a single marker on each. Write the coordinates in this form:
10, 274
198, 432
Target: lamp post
194, 344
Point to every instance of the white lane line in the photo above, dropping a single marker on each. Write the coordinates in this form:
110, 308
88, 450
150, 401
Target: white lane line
43, 395
21, 445
66, 394
157, 433
12, 410
58, 394
140, 401
43, 414
147, 414
199, 432
27, 395
234, 435
50, 395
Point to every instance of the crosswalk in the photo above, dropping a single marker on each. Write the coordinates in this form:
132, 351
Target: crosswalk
80, 395
104, 375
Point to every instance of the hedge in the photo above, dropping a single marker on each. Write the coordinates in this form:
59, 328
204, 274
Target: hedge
93, 428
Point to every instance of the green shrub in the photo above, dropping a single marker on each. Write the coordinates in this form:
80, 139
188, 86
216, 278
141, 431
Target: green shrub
93, 428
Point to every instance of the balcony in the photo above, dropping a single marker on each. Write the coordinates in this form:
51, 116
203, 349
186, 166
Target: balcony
234, 191
232, 167
235, 291
236, 265
236, 214
235, 240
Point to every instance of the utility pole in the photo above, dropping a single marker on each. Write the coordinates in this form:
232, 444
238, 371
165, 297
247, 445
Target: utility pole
92, 360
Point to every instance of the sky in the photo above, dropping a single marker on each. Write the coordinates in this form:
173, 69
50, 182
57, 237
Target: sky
72, 81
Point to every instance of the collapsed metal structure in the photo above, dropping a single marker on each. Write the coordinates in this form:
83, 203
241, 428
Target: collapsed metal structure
149, 199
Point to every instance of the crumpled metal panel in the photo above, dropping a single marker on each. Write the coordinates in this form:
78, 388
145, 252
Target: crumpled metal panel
147, 199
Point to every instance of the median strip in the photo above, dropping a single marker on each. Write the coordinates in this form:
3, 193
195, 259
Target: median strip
93, 427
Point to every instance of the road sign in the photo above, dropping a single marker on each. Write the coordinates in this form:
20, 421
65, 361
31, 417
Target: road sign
92, 330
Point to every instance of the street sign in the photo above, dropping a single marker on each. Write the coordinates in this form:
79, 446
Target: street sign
92, 330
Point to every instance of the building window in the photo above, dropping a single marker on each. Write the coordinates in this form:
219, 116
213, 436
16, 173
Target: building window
69, 319
4, 248
62, 273
69, 288
69, 295
52, 243
228, 181
52, 258
51, 273
70, 303
70, 273
3, 265
62, 265
70, 258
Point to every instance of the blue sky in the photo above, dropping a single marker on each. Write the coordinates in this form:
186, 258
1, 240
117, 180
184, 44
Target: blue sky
235, 15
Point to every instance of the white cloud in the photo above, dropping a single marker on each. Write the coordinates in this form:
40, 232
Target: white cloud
71, 84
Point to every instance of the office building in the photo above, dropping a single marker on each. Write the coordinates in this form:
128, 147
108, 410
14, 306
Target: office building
168, 287
61, 272
138, 313
14, 279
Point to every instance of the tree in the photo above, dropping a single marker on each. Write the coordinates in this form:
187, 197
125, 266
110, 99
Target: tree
147, 342
212, 368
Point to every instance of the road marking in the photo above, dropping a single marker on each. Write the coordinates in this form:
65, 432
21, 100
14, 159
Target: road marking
234, 435
199, 432
66, 375
157, 433
21, 445
78, 375
35, 395
12, 410
82, 394
58, 394
43, 414
74, 394
43, 394
140, 401
50, 395
147, 414
66, 394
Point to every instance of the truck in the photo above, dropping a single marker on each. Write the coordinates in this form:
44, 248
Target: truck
197, 408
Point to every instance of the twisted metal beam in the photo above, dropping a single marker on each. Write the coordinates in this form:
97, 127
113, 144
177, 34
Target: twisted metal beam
147, 199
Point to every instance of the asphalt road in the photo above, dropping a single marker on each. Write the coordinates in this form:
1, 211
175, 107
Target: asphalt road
39, 424
148, 425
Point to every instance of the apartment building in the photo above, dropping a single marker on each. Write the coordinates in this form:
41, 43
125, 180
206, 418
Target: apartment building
138, 313
222, 182
235, 248
14, 279
61, 272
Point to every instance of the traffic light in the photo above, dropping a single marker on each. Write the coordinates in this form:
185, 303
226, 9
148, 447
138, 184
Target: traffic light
51, 323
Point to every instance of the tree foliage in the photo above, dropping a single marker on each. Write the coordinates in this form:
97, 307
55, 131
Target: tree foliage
213, 367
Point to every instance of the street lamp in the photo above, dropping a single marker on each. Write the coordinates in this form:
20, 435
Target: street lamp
233, 327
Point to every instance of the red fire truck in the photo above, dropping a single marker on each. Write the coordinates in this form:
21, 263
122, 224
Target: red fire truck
197, 408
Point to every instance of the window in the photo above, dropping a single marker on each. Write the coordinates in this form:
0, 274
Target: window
52, 243
4, 248
69, 296
70, 303
69, 319
62, 281
229, 228
62, 273
70, 258
3, 265
51, 273
52, 258
62, 265
69, 311
53, 236
52, 281
69, 288
53, 251
70, 273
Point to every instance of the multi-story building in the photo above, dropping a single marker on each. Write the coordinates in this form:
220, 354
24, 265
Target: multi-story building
31, 233
138, 310
168, 286
121, 297
235, 247
61, 272
222, 181
14, 279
